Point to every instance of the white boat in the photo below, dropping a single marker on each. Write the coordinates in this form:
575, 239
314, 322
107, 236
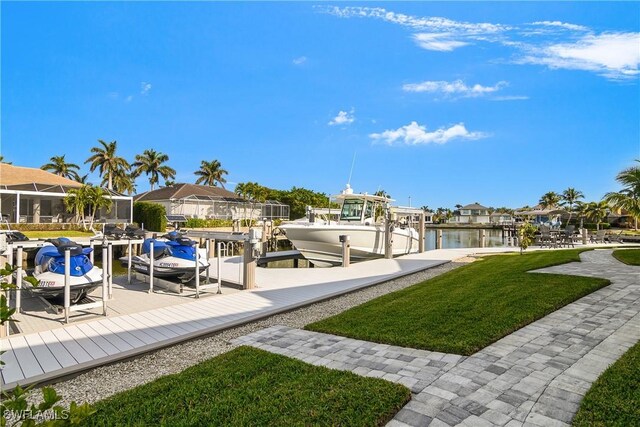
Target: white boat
362, 218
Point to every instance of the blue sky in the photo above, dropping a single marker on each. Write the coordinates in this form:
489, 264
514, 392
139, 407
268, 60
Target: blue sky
445, 103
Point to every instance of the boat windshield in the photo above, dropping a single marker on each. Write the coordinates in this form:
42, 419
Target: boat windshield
352, 210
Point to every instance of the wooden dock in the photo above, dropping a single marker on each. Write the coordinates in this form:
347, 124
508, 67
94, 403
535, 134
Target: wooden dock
47, 355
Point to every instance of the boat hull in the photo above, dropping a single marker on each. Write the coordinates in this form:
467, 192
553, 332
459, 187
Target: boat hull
321, 245
51, 285
168, 267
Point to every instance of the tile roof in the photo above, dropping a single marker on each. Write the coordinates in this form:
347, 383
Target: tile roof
180, 191
17, 175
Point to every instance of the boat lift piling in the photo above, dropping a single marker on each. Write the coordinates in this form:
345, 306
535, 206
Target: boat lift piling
346, 249
19, 280
151, 258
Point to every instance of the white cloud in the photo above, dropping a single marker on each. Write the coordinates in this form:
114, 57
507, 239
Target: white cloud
510, 98
128, 98
145, 88
438, 42
613, 55
415, 134
437, 24
299, 61
455, 88
559, 24
343, 118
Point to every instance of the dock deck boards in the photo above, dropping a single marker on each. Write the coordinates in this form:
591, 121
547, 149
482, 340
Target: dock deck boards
45, 355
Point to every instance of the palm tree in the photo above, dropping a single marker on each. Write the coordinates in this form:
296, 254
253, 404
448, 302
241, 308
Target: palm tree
76, 201
83, 179
550, 200
597, 212
59, 166
629, 197
107, 162
151, 163
211, 173
122, 182
569, 198
97, 198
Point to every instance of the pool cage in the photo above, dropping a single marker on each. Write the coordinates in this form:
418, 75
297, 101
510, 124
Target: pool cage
227, 208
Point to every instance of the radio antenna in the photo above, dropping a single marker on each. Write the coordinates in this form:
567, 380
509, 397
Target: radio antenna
353, 162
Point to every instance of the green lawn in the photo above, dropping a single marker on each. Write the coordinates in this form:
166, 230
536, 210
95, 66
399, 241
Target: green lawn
468, 308
614, 399
628, 256
250, 387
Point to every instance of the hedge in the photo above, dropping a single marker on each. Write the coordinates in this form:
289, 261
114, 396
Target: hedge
152, 215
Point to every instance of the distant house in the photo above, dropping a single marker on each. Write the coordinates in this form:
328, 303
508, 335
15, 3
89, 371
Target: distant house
206, 202
474, 213
32, 195
539, 215
501, 218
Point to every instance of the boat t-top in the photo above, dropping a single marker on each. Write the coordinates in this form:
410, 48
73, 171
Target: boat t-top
362, 217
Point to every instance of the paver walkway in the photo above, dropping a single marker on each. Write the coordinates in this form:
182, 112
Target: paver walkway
536, 376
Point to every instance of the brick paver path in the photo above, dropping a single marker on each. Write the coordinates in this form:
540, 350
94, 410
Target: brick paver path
535, 376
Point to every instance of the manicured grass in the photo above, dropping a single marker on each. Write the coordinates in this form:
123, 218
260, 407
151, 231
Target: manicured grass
614, 399
468, 308
250, 387
628, 256
54, 234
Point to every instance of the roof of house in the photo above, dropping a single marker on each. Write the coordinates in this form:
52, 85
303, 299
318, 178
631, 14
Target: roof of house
181, 191
11, 175
475, 206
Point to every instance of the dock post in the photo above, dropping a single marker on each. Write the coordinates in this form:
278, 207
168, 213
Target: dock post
91, 255
439, 239
19, 280
346, 250
110, 270
197, 271
129, 263
388, 236
421, 233
67, 283
263, 238
249, 264
584, 236
151, 259
219, 263
208, 258
105, 281
482, 238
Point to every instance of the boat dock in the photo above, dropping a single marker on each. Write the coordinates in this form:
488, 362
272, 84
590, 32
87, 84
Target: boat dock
139, 325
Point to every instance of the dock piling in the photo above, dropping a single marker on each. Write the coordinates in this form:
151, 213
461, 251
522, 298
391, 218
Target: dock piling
19, 280
346, 249
67, 283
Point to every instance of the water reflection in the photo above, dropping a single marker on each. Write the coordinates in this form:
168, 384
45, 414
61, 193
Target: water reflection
463, 238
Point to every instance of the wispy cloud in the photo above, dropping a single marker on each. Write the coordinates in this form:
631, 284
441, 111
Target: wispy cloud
456, 88
565, 25
552, 43
439, 42
415, 134
343, 118
128, 99
300, 60
613, 55
145, 88
509, 98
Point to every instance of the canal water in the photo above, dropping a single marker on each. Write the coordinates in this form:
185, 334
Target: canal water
463, 238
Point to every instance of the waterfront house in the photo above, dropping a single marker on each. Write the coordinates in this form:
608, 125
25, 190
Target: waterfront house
474, 213
32, 195
501, 218
206, 202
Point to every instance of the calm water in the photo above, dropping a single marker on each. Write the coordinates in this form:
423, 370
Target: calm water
463, 238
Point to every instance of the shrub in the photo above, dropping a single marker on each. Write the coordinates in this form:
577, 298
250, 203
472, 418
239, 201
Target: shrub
152, 215
207, 223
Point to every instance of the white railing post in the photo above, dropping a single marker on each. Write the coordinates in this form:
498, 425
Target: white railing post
151, 259
129, 256
19, 280
219, 261
346, 250
110, 270
67, 283
197, 270
105, 281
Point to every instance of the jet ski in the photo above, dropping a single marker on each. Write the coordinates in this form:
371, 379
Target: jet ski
113, 232
174, 257
49, 271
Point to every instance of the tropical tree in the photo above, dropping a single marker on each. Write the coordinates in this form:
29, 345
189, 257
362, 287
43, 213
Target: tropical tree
59, 166
597, 212
581, 211
86, 198
629, 197
569, 198
97, 198
104, 159
151, 163
2, 160
122, 182
76, 201
550, 200
382, 193
211, 173
83, 179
